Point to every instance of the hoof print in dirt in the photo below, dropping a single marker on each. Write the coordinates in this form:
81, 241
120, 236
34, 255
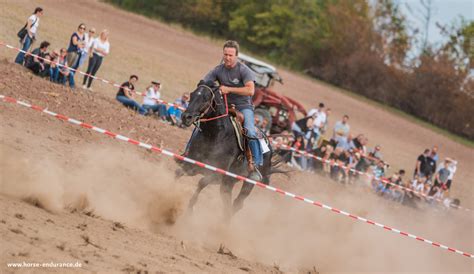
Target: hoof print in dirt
244, 268
61, 246
82, 226
225, 251
19, 216
16, 231
117, 226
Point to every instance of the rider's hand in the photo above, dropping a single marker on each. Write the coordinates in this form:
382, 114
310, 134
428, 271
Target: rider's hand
224, 89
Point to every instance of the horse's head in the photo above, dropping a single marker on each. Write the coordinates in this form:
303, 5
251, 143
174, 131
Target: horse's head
202, 102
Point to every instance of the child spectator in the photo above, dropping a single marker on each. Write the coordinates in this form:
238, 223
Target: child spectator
150, 103
100, 48
63, 72
31, 27
35, 61
85, 52
124, 95
174, 113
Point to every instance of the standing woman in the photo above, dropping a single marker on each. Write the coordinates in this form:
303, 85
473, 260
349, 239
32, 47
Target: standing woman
76, 43
31, 28
85, 52
100, 48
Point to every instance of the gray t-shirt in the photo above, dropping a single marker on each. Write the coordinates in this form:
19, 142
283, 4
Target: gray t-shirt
443, 175
234, 77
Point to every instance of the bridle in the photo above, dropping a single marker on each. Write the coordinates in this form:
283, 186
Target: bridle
211, 102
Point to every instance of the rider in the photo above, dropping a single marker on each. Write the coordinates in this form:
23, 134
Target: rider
237, 81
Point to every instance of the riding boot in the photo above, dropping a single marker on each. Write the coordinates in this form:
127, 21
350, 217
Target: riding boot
254, 159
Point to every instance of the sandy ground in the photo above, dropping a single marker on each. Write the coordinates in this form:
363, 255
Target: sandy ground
89, 186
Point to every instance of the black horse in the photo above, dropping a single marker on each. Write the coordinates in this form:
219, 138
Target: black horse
215, 143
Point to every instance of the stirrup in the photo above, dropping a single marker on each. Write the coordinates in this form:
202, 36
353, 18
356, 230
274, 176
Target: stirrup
255, 175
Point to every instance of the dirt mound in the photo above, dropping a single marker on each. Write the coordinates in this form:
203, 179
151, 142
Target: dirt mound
92, 186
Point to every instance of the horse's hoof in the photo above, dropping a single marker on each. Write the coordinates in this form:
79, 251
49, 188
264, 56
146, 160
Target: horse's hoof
179, 173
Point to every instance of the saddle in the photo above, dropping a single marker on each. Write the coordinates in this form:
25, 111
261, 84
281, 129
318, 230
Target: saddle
237, 119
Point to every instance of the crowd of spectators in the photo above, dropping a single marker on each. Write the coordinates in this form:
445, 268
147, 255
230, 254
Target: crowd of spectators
343, 157
60, 66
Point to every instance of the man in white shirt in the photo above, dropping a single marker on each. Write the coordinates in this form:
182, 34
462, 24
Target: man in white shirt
31, 28
341, 129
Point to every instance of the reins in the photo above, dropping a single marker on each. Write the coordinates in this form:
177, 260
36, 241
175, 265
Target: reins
210, 105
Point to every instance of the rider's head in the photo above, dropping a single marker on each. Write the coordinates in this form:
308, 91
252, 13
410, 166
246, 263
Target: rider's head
231, 51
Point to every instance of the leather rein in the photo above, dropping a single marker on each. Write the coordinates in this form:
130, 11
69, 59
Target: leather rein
210, 106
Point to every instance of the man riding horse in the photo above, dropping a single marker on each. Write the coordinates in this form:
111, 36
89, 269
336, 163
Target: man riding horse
236, 81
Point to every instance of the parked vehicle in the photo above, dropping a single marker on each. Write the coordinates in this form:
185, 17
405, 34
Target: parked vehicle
276, 112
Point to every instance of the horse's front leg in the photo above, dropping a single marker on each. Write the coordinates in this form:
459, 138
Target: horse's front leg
226, 194
203, 182
243, 194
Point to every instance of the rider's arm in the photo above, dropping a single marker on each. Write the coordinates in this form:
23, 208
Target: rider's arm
247, 90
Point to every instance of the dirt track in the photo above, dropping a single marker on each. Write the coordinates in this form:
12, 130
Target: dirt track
84, 166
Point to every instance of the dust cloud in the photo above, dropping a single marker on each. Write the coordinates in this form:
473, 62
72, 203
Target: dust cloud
108, 183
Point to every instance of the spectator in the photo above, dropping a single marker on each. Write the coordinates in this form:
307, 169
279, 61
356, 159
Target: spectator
441, 177
31, 27
452, 167
124, 95
150, 100
422, 168
174, 112
63, 73
54, 68
302, 127
432, 164
375, 153
319, 120
341, 129
378, 174
76, 43
326, 123
99, 49
35, 61
86, 50
434, 154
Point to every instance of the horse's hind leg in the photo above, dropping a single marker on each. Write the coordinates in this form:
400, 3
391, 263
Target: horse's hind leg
244, 193
203, 182
226, 194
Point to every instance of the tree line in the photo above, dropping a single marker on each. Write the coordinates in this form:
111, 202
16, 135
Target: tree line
367, 47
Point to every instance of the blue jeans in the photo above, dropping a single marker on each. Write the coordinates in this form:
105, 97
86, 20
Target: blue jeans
160, 108
53, 74
70, 78
20, 58
254, 144
131, 104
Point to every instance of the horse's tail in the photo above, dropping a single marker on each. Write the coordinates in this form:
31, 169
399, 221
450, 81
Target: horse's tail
276, 165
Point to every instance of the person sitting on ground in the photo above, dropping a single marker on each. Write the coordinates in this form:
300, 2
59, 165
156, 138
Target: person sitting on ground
35, 60
150, 102
124, 95
174, 112
377, 174
63, 74
53, 68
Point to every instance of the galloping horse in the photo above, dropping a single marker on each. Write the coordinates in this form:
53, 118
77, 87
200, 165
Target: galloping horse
215, 143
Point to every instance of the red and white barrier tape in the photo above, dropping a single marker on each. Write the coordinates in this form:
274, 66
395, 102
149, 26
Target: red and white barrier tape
92, 76
370, 176
227, 173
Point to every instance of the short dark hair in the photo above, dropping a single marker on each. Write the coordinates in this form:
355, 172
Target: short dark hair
427, 150
38, 9
44, 44
133, 76
232, 44
401, 172
346, 116
321, 105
